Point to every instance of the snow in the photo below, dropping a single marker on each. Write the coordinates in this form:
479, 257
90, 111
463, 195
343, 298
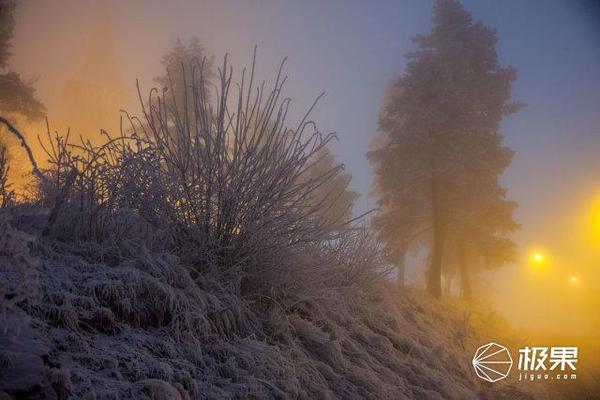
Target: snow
82, 322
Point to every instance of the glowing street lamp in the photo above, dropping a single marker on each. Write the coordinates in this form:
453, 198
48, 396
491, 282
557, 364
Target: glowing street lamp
537, 258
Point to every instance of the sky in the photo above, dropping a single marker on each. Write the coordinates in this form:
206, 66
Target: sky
351, 50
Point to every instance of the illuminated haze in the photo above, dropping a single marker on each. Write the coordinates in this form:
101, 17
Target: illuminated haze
351, 50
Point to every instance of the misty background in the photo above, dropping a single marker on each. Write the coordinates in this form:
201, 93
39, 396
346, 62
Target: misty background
351, 50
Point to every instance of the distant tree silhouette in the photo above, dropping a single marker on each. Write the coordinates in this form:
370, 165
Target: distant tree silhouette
189, 72
335, 194
16, 95
441, 152
96, 91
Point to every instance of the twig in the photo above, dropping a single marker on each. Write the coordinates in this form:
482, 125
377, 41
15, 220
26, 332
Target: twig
24, 144
60, 199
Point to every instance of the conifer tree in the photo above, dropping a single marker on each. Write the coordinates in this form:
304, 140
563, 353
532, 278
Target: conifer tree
440, 152
184, 64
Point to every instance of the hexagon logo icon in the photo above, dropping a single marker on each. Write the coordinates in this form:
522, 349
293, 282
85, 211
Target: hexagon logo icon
492, 362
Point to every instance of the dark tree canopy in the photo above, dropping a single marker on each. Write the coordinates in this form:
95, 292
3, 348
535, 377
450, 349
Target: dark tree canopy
16, 95
441, 152
7, 27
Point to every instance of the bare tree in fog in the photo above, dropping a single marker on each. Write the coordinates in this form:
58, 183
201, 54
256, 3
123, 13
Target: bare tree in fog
441, 152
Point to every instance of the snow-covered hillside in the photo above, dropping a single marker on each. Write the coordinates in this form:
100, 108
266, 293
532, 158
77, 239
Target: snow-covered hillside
78, 322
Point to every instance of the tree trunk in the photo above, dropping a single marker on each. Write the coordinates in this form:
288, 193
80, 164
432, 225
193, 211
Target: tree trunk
465, 280
401, 267
447, 285
434, 278
434, 283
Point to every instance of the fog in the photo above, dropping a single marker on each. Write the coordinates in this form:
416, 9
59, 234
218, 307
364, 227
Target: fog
351, 51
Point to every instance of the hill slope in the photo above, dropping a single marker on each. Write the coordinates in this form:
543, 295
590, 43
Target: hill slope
83, 322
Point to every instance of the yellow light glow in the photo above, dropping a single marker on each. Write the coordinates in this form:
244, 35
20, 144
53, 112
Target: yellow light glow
574, 279
597, 220
537, 257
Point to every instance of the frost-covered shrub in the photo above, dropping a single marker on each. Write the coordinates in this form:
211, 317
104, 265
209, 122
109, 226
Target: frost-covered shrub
225, 185
17, 266
6, 193
358, 257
